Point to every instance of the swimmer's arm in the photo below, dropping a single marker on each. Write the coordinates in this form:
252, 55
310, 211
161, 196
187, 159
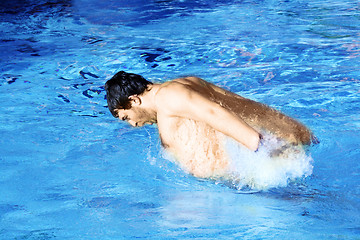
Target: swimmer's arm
180, 101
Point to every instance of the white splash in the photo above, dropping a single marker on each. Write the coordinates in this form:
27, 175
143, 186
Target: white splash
268, 167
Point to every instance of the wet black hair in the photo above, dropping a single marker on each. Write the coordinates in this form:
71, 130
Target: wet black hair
120, 87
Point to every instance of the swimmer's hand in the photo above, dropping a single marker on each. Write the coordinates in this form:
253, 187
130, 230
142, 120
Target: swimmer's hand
180, 100
260, 143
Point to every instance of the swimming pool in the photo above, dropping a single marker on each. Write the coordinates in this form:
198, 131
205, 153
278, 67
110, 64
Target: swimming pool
69, 170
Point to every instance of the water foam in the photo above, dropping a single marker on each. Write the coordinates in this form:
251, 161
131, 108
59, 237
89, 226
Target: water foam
273, 165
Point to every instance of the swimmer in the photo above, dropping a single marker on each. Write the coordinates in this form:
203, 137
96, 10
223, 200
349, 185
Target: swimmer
133, 99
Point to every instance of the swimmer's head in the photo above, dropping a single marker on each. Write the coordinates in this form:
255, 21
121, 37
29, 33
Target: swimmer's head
120, 87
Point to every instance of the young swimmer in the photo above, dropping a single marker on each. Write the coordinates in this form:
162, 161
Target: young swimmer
193, 114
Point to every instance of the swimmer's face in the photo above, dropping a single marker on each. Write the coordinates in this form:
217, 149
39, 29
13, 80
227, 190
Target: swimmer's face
136, 116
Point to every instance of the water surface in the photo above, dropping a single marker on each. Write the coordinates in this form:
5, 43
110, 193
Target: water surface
68, 170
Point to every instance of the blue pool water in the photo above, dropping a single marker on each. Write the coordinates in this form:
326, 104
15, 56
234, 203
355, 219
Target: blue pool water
69, 170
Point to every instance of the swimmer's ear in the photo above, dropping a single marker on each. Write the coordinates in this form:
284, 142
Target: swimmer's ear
134, 99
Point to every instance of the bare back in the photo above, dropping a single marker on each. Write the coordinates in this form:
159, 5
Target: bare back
257, 115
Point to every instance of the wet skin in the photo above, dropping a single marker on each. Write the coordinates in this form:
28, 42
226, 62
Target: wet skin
256, 115
173, 103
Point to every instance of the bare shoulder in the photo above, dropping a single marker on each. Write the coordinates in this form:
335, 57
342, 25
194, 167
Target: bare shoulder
201, 85
174, 95
173, 88
186, 88
192, 81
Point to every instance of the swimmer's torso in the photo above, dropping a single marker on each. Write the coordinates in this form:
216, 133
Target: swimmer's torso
198, 148
195, 146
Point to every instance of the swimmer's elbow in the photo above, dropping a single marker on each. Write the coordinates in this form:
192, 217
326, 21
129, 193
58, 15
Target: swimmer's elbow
308, 138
